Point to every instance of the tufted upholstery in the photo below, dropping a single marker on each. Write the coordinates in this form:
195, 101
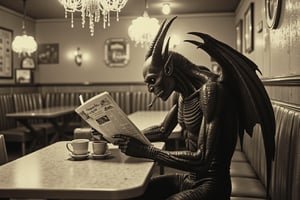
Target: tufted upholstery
285, 178
3, 153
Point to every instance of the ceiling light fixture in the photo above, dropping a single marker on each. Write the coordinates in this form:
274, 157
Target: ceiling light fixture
166, 9
143, 29
93, 9
24, 44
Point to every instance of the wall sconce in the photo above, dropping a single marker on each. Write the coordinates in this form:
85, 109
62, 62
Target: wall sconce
166, 9
78, 57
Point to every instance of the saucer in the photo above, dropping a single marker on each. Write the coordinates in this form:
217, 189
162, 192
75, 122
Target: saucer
101, 156
79, 156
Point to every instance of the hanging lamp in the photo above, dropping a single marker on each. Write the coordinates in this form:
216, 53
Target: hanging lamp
143, 29
24, 44
93, 10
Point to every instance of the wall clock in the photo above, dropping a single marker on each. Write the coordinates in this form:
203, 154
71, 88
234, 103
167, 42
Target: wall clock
28, 63
273, 10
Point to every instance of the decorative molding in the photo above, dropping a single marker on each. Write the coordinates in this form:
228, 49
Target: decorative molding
282, 81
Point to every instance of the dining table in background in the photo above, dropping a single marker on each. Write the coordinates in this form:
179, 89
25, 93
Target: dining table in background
59, 117
145, 119
50, 173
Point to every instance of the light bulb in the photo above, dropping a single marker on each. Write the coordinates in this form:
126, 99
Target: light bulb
166, 9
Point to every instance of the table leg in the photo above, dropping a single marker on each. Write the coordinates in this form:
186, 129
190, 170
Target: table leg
34, 132
60, 127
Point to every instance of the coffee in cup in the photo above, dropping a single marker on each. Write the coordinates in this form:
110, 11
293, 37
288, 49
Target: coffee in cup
78, 146
99, 147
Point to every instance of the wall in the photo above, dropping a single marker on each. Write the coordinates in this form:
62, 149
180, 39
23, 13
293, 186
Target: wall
13, 21
94, 69
277, 51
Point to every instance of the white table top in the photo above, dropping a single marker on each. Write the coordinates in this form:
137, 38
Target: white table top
43, 112
51, 173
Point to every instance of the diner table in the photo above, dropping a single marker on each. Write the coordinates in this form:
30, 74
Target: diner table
145, 119
51, 173
59, 117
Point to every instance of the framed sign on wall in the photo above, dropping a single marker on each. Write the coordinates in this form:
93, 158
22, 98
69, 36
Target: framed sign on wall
249, 29
23, 76
6, 55
116, 52
48, 53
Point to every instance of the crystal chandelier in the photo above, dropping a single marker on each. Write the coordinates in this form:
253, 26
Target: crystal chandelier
93, 9
24, 44
143, 29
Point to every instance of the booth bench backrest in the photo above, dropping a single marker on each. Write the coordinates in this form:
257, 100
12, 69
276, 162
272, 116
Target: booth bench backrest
285, 178
6, 106
129, 101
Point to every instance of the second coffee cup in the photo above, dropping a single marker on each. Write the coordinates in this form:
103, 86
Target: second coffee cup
99, 147
78, 146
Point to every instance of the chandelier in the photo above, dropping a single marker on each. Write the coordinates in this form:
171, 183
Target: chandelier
93, 9
143, 29
24, 44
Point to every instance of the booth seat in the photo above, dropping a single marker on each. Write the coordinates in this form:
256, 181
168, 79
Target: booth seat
248, 167
10, 129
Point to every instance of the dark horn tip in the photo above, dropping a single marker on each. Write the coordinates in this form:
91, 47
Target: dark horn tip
198, 44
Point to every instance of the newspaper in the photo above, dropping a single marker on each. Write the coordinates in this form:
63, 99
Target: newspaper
103, 114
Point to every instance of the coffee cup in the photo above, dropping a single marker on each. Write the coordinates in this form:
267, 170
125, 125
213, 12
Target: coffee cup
99, 147
78, 146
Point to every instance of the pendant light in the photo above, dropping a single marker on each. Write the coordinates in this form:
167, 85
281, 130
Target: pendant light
24, 44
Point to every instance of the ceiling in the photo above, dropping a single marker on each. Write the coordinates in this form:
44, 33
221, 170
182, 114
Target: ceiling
52, 9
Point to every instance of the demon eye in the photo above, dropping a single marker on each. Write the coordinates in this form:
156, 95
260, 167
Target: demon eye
152, 80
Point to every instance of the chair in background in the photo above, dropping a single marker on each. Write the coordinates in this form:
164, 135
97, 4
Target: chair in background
8, 126
32, 101
82, 133
3, 152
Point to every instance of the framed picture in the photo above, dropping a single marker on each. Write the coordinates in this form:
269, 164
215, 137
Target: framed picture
272, 12
24, 76
6, 55
27, 62
116, 52
238, 33
48, 53
249, 29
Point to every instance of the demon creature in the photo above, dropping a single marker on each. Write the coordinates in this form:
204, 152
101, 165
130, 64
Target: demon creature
212, 110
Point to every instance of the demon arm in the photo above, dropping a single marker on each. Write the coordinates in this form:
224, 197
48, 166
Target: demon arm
196, 161
182, 160
161, 132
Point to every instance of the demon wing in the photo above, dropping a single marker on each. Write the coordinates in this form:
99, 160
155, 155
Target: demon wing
254, 104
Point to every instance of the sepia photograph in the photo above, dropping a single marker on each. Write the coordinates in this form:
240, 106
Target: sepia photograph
149, 100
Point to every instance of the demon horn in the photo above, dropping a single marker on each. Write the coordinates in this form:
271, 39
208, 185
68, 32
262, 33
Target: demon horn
157, 50
150, 51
